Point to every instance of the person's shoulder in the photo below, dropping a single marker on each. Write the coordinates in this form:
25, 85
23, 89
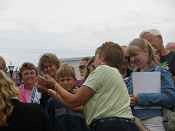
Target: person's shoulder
31, 105
101, 67
159, 68
171, 54
162, 70
28, 108
104, 68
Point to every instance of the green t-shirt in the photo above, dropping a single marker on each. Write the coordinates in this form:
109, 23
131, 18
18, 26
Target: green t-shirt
111, 95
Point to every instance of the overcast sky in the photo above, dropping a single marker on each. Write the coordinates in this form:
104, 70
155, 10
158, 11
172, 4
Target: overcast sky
74, 28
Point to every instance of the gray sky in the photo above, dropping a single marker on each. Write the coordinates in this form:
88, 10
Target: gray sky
74, 28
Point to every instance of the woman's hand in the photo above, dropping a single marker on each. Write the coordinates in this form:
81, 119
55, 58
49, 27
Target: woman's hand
46, 82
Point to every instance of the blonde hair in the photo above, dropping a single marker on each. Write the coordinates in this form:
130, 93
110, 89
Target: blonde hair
7, 91
139, 44
65, 70
3, 64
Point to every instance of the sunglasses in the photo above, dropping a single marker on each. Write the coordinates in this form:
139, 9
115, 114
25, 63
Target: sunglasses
82, 67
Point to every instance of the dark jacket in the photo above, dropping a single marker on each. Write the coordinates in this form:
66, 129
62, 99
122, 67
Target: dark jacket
26, 117
64, 119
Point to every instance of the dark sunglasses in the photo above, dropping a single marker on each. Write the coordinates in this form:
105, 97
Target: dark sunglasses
82, 67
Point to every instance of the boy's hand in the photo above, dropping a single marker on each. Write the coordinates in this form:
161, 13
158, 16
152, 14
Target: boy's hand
134, 100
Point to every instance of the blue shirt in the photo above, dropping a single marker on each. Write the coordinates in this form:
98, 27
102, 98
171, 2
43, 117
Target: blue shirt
150, 104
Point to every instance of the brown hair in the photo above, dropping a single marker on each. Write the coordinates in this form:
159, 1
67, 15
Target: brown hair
111, 53
27, 66
3, 64
48, 58
91, 60
141, 44
65, 70
7, 91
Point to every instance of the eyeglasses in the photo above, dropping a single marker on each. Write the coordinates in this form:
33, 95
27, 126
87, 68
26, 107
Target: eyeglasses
82, 67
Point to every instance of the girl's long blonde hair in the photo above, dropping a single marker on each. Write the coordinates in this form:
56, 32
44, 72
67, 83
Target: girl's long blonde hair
7, 91
139, 44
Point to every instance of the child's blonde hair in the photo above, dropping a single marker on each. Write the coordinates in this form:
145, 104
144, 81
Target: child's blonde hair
65, 70
139, 44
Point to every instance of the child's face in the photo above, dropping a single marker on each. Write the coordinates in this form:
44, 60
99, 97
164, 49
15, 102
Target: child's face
67, 82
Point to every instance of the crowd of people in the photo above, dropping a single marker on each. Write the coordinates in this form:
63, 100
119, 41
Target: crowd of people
50, 97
